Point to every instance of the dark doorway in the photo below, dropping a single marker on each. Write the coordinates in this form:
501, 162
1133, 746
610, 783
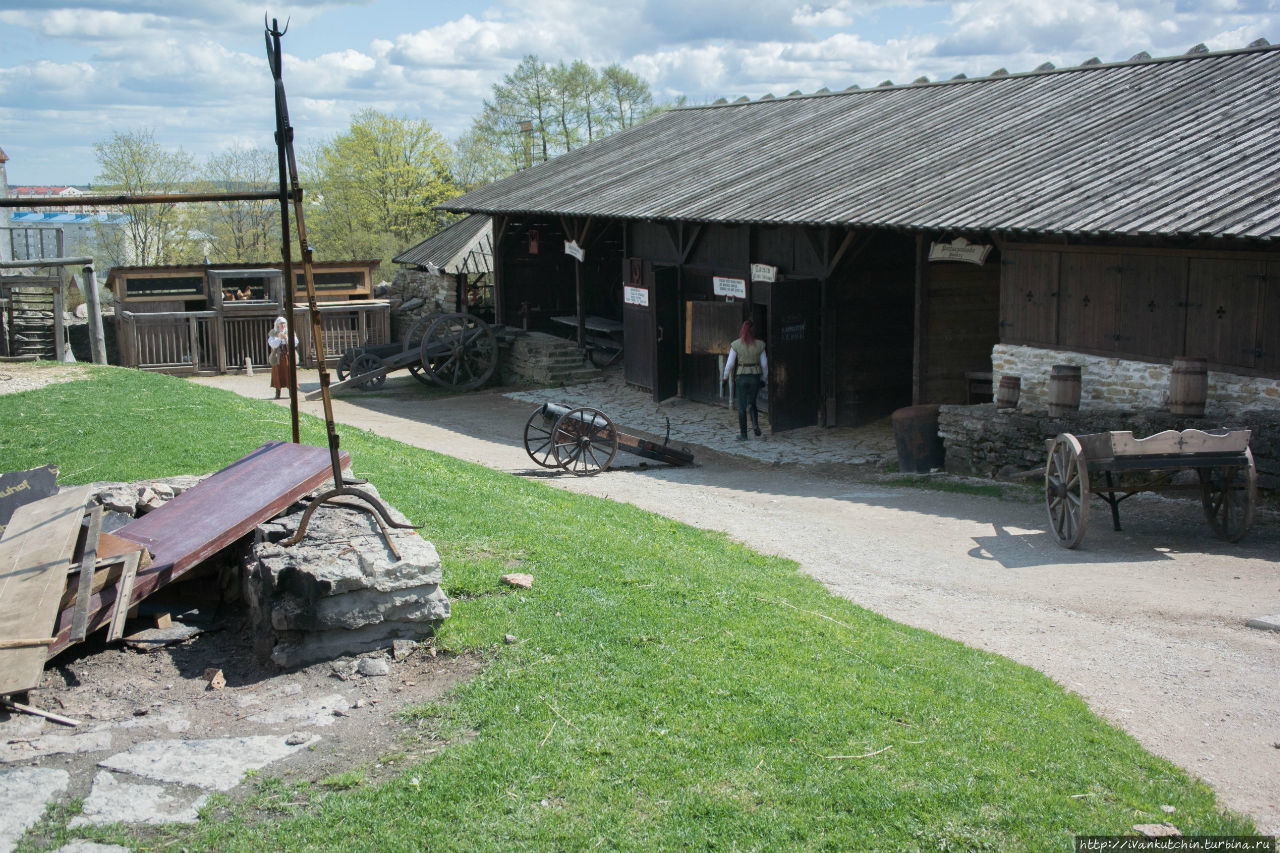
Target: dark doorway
666, 380
651, 328
793, 349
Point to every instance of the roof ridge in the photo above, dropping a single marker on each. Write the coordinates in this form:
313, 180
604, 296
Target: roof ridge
1089, 65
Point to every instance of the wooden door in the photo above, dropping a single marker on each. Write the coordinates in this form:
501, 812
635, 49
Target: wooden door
794, 353
1087, 314
1222, 310
639, 351
666, 332
1028, 297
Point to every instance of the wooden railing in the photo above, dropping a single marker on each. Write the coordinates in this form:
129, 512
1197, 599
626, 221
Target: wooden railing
212, 342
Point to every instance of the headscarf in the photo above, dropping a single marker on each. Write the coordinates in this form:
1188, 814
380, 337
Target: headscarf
745, 334
281, 321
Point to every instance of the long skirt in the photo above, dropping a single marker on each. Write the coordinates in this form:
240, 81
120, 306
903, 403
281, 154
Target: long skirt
280, 376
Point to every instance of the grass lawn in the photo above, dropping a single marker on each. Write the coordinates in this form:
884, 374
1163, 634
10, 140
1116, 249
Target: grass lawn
670, 689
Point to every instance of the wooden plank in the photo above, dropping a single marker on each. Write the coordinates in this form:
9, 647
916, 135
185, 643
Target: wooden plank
84, 588
35, 552
124, 595
1173, 442
203, 520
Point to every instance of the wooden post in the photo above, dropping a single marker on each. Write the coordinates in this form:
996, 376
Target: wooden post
97, 340
919, 354
193, 330
220, 341
59, 327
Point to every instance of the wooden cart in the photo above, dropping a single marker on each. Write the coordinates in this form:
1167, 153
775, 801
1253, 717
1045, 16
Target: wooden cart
1079, 466
583, 441
457, 351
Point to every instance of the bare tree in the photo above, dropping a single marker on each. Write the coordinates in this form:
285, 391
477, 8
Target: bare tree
133, 163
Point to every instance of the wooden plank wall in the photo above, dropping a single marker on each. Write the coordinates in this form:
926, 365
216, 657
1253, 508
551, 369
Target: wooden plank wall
960, 325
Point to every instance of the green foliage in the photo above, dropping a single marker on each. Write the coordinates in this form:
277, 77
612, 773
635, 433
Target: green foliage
371, 189
540, 110
670, 689
241, 231
133, 163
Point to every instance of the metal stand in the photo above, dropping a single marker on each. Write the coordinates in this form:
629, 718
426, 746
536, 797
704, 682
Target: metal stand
291, 191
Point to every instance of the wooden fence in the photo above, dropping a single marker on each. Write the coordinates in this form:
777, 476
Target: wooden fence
214, 342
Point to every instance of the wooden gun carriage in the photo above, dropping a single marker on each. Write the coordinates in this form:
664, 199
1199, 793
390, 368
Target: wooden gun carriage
583, 441
458, 351
1227, 479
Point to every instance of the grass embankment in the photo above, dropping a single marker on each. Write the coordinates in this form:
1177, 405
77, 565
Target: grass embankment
670, 688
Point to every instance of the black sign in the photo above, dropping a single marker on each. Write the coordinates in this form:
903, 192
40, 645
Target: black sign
24, 487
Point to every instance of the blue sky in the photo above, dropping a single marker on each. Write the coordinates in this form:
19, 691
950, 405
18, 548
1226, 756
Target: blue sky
195, 72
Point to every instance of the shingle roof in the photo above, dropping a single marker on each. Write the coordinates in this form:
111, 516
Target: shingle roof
1177, 146
465, 246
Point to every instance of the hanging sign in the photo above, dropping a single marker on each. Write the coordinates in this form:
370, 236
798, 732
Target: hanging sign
636, 296
959, 249
763, 272
734, 287
572, 249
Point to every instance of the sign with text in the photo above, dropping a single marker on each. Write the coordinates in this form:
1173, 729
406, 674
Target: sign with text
735, 287
24, 487
572, 249
636, 296
959, 249
764, 272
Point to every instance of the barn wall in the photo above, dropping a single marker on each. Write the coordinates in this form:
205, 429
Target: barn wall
961, 323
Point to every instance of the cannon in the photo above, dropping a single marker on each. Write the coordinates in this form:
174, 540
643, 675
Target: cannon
455, 351
584, 441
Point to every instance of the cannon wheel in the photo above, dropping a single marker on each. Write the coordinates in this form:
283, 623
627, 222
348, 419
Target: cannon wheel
584, 441
1229, 495
1066, 489
413, 343
367, 363
538, 441
345, 363
459, 351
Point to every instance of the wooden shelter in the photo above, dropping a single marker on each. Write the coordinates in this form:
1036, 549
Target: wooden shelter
211, 318
887, 241
463, 253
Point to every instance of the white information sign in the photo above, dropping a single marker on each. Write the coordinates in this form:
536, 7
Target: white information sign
959, 249
763, 272
572, 249
635, 296
735, 287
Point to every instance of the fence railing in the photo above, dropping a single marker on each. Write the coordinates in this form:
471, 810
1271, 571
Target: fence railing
213, 342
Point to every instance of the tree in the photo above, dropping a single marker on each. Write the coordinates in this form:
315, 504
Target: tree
241, 231
133, 163
539, 111
371, 189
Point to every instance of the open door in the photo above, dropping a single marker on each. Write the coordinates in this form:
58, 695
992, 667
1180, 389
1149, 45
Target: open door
651, 328
794, 352
666, 332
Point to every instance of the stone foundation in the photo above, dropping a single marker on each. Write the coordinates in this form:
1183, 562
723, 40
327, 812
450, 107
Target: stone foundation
340, 590
1116, 383
414, 294
984, 442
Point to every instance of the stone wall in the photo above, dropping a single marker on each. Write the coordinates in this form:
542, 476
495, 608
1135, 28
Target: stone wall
985, 442
1111, 383
415, 294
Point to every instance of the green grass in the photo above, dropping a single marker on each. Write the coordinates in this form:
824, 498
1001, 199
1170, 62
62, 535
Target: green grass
669, 688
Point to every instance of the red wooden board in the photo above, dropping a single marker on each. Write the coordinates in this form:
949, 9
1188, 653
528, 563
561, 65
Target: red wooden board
207, 518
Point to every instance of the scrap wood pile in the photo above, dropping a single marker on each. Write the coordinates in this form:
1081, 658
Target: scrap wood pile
62, 578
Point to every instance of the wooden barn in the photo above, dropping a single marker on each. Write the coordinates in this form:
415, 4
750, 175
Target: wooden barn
900, 244
211, 318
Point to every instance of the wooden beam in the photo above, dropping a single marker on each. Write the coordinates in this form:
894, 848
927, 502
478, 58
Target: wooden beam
35, 553
844, 247
84, 589
919, 353
692, 243
124, 596
125, 200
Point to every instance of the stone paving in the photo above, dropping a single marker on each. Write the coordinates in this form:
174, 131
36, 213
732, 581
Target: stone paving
716, 427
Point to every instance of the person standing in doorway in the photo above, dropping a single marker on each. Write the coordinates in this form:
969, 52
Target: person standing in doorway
278, 356
746, 354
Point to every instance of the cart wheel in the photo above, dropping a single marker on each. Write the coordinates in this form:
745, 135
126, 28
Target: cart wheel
366, 363
537, 439
344, 364
1066, 490
413, 343
459, 351
584, 441
1229, 495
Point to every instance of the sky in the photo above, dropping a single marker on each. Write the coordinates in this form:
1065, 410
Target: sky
194, 72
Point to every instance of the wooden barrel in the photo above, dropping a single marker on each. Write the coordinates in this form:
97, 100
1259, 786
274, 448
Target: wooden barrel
1188, 386
1064, 389
1008, 391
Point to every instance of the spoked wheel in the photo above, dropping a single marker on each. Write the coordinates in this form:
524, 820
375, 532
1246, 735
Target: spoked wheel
413, 343
1229, 495
459, 351
584, 441
366, 363
538, 442
344, 365
1066, 489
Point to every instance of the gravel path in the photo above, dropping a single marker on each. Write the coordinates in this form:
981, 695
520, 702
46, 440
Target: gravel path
1147, 625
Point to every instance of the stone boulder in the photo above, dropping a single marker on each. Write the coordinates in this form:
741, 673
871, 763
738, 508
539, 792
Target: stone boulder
340, 590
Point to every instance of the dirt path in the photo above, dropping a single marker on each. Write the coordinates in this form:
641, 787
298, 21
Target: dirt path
1147, 625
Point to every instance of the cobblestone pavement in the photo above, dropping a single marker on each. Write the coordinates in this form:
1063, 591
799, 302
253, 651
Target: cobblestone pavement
716, 427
